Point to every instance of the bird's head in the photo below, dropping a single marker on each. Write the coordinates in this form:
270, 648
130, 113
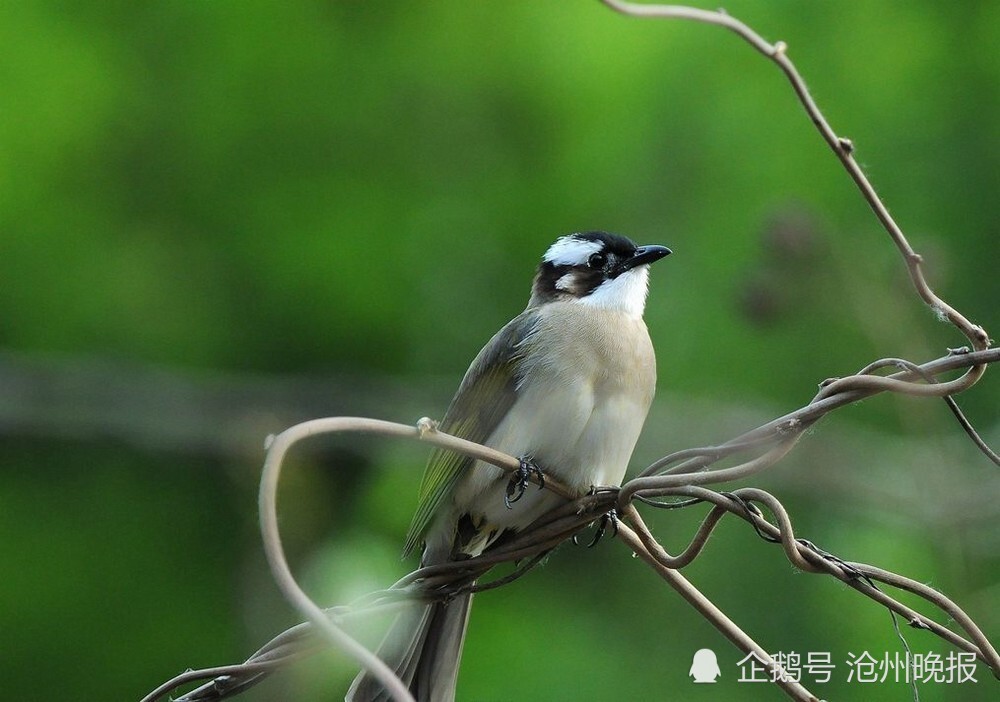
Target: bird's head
596, 268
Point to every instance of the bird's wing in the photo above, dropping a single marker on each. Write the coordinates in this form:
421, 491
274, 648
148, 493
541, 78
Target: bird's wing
483, 399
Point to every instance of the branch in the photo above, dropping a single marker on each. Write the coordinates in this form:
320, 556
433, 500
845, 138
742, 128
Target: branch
553, 528
841, 146
786, 430
425, 430
808, 558
713, 614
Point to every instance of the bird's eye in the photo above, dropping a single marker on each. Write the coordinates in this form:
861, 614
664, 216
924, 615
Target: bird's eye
597, 260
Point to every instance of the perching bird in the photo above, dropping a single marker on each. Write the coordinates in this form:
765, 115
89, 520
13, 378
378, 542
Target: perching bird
565, 386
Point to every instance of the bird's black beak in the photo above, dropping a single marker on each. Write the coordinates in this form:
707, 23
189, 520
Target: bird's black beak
646, 254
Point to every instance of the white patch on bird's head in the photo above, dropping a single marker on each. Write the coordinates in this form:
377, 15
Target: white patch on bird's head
626, 293
571, 250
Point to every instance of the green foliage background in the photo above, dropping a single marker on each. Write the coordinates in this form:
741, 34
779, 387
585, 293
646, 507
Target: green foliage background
360, 190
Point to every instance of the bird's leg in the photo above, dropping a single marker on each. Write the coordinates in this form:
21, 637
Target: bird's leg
609, 517
519, 483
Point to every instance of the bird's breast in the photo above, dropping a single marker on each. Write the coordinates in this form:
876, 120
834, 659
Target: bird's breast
589, 377
586, 382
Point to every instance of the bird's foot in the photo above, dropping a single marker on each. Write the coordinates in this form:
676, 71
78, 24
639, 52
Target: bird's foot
519, 483
609, 517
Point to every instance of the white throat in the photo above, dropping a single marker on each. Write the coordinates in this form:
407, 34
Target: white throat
626, 293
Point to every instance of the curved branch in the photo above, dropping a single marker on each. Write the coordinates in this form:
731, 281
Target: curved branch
283, 574
842, 147
426, 431
808, 558
785, 430
713, 614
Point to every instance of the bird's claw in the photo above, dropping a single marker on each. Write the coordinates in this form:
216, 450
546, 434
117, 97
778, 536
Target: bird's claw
519, 483
609, 517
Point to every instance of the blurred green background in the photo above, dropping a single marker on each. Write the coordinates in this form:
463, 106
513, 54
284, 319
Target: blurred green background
218, 219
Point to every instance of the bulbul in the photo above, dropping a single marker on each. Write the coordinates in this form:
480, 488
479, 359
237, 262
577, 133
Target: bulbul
565, 386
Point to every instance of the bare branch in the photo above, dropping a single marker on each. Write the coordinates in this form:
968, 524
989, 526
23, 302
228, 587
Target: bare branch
841, 146
786, 430
716, 616
446, 580
279, 565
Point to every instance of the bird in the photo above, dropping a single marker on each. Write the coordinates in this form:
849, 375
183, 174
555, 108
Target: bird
565, 386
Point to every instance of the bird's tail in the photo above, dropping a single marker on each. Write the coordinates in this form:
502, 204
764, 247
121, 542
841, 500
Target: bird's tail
423, 647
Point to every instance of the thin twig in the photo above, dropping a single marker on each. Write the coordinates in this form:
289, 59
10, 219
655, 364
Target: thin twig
562, 522
713, 614
282, 573
841, 146
963, 421
786, 430
279, 446
808, 558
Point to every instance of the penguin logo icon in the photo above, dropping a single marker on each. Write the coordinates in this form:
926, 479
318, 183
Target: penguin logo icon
704, 666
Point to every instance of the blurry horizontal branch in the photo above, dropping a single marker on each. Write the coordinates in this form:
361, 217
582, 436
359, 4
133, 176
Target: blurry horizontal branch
168, 409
